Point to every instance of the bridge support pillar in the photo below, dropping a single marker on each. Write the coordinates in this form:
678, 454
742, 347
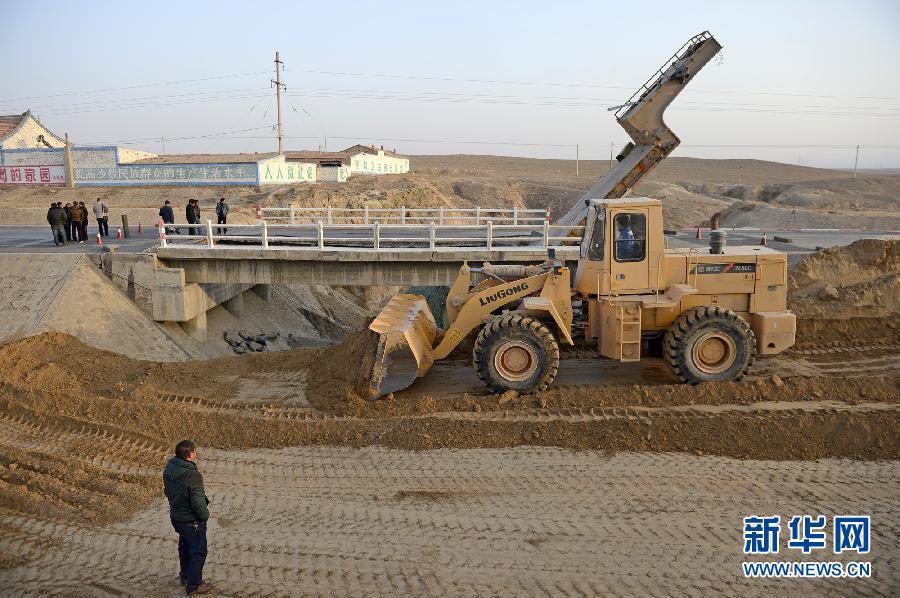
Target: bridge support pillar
264, 291
196, 327
235, 305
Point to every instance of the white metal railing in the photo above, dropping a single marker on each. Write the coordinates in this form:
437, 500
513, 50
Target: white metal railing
404, 215
375, 236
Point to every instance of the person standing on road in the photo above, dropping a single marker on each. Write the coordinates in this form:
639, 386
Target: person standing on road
82, 233
168, 215
188, 511
56, 217
75, 219
68, 226
101, 213
192, 215
222, 215
197, 214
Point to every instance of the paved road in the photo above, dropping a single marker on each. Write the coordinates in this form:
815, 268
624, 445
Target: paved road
36, 238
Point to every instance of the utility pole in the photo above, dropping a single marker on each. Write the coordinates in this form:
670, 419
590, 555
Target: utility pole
611, 146
856, 162
278, 85
163, 141
576, 159
70, 166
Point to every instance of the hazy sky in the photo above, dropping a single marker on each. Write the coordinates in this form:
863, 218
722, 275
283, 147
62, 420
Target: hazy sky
512, 78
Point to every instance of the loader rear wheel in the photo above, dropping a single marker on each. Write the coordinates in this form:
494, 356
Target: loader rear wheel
516, 352
709, 343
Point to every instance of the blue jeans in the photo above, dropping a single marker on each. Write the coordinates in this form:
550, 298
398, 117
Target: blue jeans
191, 551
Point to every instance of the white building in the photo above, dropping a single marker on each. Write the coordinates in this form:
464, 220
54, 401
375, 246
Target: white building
366, 159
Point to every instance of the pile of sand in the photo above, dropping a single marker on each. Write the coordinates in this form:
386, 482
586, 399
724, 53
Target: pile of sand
68, 293
848, 291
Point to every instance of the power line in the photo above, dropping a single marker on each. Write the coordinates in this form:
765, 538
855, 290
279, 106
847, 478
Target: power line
586, 85
115, 101
205, 136
110, 89
443, 79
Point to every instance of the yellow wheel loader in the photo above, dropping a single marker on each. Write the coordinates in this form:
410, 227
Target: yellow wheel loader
713, 310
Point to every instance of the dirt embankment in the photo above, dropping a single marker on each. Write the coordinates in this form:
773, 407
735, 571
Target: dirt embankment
848, 292
84, 432
749, 192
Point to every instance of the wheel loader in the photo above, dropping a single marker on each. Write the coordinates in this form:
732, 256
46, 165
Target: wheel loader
712, 310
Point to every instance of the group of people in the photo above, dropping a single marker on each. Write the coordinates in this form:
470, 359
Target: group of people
69, 223
192, 215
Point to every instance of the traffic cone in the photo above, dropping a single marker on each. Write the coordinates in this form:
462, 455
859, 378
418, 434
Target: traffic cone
764, 242
99, 239
118, 232
140, 228
699, 236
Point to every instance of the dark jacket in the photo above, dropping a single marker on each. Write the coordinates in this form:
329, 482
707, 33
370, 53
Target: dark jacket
184, 489
167, 215
192, 214
56, 216
222, 209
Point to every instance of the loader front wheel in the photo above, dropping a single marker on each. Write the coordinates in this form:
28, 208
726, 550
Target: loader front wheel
709, 343
516, 352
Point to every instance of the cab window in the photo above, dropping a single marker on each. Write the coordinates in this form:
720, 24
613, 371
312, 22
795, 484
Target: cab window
598, 236
630, 237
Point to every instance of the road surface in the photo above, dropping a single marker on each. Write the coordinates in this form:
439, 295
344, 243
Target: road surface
37, 238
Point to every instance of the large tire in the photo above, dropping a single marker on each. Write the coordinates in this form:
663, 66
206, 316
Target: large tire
516, 352
709, 343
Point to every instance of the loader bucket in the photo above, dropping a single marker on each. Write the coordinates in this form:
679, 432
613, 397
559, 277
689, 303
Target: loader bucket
406, 330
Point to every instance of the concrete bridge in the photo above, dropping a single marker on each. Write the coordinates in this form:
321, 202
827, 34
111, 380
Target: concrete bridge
181, 282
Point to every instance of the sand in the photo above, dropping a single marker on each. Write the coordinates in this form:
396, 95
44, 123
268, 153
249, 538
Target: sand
529, 521
850, 291
68, 293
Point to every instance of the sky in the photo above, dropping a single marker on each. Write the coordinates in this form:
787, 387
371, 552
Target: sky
798, 81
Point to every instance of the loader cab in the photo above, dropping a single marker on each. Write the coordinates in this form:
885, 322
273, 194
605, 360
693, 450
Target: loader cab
622, 247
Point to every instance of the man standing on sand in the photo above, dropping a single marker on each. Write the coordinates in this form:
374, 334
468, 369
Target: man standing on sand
101, 213
188, 511
56, 218
222, 215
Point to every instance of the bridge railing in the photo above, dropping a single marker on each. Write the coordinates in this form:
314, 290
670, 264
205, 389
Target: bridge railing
376, 236
403, 215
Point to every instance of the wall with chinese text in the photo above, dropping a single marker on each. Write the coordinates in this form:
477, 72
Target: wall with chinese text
276, 171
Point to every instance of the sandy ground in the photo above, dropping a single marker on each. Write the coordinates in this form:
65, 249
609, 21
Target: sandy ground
443, 488
508, 522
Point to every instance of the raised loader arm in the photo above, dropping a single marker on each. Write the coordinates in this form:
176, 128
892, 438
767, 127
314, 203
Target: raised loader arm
642, 118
